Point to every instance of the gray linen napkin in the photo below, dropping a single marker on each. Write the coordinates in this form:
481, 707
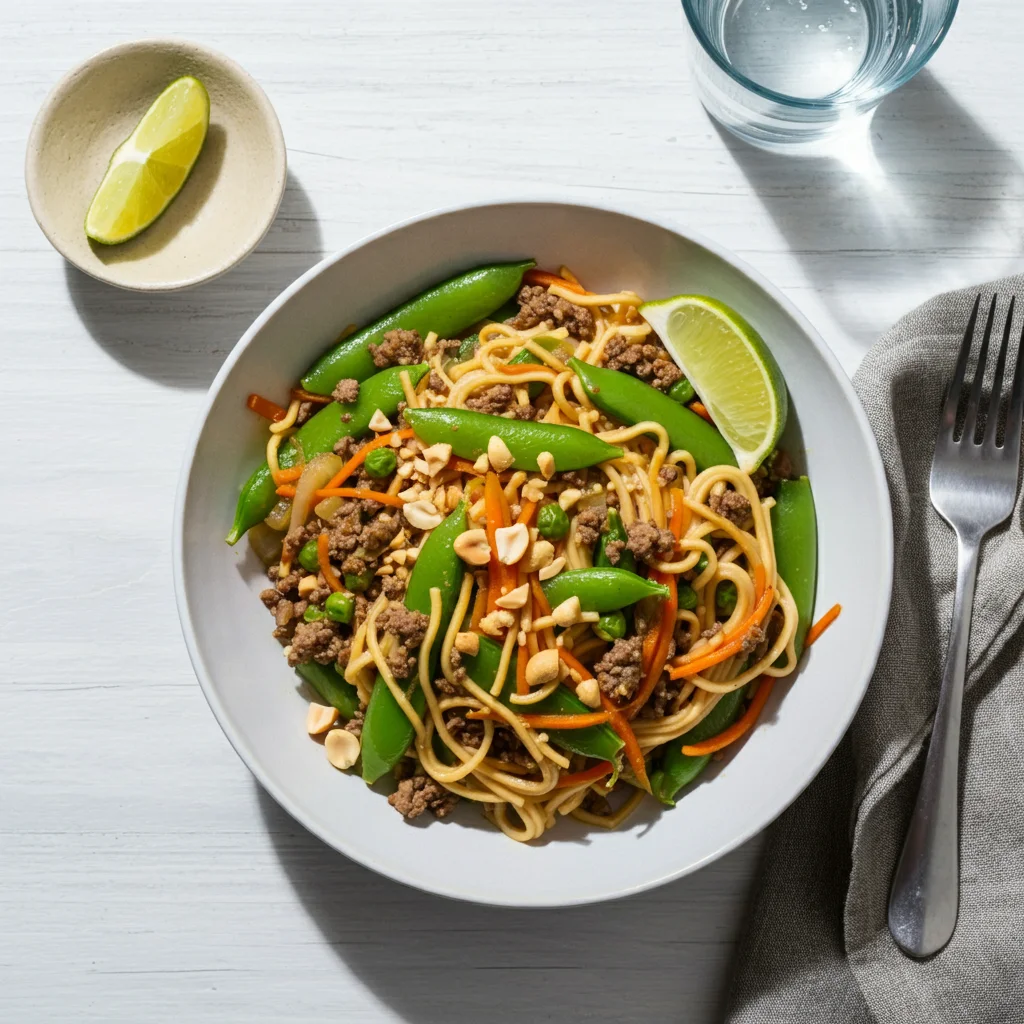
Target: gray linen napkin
816, 945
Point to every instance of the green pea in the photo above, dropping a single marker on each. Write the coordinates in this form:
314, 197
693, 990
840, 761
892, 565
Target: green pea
702, 564
686, 596
611, 626
358, 583
682, 392
340, 607
312, 613
309, 559
381, 462
552, 522
725, 597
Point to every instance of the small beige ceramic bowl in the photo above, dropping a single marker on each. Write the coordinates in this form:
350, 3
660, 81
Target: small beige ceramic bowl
224, 209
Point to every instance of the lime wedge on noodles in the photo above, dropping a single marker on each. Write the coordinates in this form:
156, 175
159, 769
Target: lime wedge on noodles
148, 169
730, 368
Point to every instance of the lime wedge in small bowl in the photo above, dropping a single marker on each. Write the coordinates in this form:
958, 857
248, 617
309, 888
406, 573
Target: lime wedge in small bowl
730, 368
149, 168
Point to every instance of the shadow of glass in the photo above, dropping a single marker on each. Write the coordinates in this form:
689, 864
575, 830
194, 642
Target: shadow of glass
182, 211
431, 959
894, 212
181, 338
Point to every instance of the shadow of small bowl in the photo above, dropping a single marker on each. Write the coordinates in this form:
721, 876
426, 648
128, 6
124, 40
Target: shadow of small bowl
223, 210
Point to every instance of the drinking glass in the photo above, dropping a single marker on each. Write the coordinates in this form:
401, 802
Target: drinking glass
788, 73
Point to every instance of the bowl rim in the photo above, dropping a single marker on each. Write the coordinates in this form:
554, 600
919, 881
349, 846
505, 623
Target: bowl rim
33, 148
755, 824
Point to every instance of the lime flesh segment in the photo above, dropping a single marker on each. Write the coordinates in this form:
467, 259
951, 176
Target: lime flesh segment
148, 169
730, 368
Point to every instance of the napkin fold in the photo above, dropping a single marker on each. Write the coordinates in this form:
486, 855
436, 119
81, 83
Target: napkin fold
816, 946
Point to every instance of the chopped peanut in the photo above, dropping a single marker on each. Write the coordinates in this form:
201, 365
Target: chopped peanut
320, 718
342, 748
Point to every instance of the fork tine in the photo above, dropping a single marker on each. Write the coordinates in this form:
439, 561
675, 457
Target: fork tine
953, 395
974, 401
1015, 416
995, 399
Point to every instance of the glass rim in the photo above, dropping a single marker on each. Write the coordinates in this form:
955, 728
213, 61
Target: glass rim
921, 57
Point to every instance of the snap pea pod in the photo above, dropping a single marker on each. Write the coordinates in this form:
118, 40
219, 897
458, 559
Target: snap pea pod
601, 590
319, 434
331, 687
448, 308
468, 433
679, 769
795, 535
794, 530
387, 733
615, 531
600, 741
632, 401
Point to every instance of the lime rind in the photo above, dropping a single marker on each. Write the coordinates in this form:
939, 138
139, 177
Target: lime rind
730, 367
141, 180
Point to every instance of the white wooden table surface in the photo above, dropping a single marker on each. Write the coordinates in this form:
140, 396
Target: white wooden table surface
143, 874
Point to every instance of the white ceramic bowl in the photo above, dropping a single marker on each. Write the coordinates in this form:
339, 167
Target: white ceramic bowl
221, 213
255, 696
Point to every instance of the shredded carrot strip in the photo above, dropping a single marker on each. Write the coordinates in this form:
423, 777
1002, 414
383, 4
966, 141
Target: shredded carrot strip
286, 491
822, 624
361, 492
462, 465
514, 369
546, 278
729, 646
526, 512
323, 554
308, 396
598, 771
357, 460
701, 410
479, 610
760, 580
285, 476
543, 605
617, 720
522, 686
739, 727
582, 721
496, 574
266, 408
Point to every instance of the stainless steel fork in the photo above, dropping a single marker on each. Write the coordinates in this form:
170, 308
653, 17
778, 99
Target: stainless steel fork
973, 487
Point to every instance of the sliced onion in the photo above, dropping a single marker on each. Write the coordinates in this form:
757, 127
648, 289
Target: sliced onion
266, 543
317, 473
328, 507
280, 515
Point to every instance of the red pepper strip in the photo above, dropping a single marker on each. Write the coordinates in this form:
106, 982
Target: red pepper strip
360, 456
739, 727
822, 624
598, 771
731, 644
546, 278
583, 721
617, 720
266, 408
323, 554
308, 396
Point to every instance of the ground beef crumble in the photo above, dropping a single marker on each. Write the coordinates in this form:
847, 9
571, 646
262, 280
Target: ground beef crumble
660, 702
408, 628
648, 542
754, 638
419, 794
619, 671
397, 348
730, 505
495, 400
588, 524
613, 550
537, 306
668, 475
346, 390
317, 641
643, 359
355, 724
436, 383
394, 588
306, 410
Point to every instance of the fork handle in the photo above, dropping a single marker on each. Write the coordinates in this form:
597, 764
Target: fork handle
925, 893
